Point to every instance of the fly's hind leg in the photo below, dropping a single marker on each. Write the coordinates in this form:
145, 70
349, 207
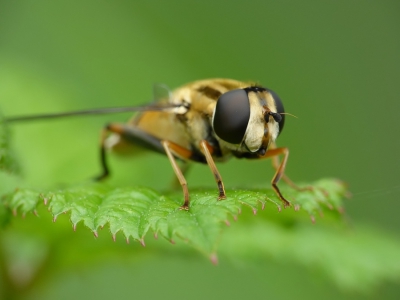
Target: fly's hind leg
110, 128
130, 134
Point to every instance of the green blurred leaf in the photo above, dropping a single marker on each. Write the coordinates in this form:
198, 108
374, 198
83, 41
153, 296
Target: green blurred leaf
7, 159
354, 258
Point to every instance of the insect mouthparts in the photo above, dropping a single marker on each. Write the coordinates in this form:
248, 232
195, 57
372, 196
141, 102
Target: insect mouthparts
261, 151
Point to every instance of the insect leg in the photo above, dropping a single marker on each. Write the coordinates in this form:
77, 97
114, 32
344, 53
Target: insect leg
279, 170
285, 178
130, 134
115, 128
185, 167
171, 149
206, 150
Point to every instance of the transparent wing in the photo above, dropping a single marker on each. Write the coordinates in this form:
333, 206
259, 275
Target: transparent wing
162, 93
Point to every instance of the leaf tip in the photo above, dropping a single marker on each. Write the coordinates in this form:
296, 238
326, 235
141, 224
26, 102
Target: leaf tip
96, 235
142, 242
114, 237
312, 217
214, 259
330, 206
325, 192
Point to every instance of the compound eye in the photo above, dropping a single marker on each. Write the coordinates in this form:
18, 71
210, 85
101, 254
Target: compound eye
232, 114
280, 109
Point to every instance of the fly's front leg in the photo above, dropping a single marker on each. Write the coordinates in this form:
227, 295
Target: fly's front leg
207, 149
280, 169
285, 178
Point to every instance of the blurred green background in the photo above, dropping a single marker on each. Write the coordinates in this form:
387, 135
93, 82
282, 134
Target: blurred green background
335, 64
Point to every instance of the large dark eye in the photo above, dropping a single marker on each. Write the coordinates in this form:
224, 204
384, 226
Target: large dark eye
231, 116
280, 109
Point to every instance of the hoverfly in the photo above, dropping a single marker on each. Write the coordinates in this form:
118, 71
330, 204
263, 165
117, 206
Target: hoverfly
204, 121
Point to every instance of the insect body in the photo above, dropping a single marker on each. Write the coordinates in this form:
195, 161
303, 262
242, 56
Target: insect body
208, 121
204, 121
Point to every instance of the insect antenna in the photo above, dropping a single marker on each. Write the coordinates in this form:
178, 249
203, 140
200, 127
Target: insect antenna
289, 114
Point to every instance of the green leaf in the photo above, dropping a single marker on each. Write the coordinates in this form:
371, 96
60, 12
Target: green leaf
355, 259
135, 211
